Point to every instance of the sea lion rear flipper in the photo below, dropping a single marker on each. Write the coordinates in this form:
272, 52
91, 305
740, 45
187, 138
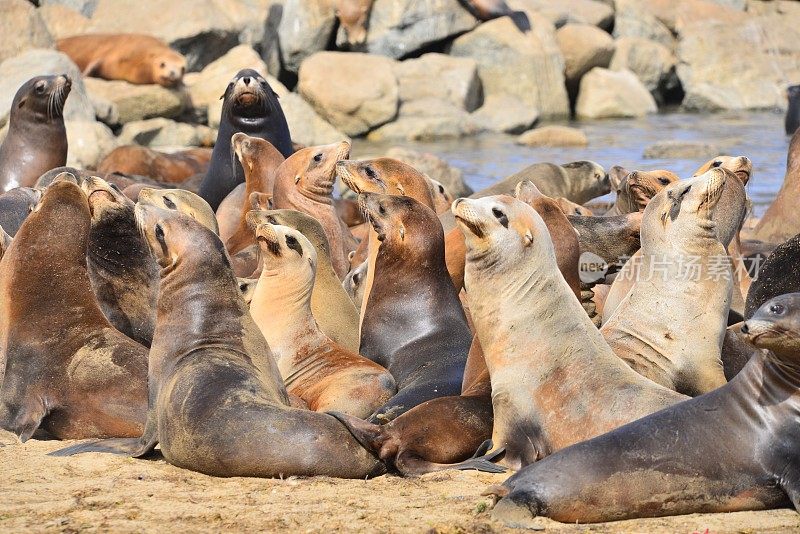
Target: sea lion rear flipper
369, 435
414, 466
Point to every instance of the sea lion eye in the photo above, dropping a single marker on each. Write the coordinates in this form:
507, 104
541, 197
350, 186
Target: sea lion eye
293, 244
441, 189
716, 164
663, 181
500, 216
163, 64
318, 157
369, 172
777, 309
381, 209
159, 234
169, 203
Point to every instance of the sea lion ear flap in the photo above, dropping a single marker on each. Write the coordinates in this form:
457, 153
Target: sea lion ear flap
401, 189
402, 232
22, 101
526, 191
527, 238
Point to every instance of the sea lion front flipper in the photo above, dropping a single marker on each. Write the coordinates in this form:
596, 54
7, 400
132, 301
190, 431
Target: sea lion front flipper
22, 419
134, 447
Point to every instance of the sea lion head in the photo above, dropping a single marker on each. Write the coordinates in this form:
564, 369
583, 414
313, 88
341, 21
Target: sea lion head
249, 149
249, 98
286, 252
741, 166
105, 200
183, 201
588, 179
43, 97
616, 174
353, 15
387, 176
776, 325
167, 67
315, 169
639, 187
441, 198
403, 224
302, 222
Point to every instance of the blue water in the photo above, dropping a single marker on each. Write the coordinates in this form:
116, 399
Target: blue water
757, 135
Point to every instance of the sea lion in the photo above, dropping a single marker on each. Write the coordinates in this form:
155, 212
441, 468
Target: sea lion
325, 375
134, 58
260, 161
579, 181
616, 174
37, 138
741, 166
5, 242
781, 221
183, 201
571, 208
690, 457
544, 356
487, 9
217, 402
172, 168
249, 106
412, 322
637, 188
354, 284
304, 182
684, 274
441, 198
349, 212
123, 274
792, 119
613, 239
353, 16
15, 205
331, 306
67, 370
779, 274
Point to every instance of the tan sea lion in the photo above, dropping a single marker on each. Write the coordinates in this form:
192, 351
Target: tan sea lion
325, 375
441, 198
135, 58
171, 168
741, 166
684, 274
781, 221
182, 201
353, 16
36, 140
66, 369
555, 381
571, 208
637, 188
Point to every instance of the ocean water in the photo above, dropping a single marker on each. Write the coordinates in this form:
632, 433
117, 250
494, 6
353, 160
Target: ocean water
758, 135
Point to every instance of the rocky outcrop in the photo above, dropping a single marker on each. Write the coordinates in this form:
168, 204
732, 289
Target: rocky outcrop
426, 120
22, 28
565, 11
305, 124
504, 113
552, 136
440, 77
651, 62
605, 93
162, 132
698, 150
306, 27
61, 21
137, 102
88, 143
584, 47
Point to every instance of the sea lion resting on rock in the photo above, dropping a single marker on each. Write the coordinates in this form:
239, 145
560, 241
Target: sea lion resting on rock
37, 138
728, 450
171, 168
15, 205
554, 379
637, 188
132, 57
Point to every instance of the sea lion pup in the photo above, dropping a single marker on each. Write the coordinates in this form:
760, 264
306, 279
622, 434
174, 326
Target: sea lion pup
260, 161
654, 329
579, 181
37, 139
174, 168
212, 370
637, 188
67, 370
249, 106
15, 205
304, 182
550, 368
182, 201
782, 219
690, 457
353, 16
135, 58
331, 306
412, 322
325, 375
741, 166
123, 274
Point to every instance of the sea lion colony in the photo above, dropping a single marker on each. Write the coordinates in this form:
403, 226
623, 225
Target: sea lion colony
292, 332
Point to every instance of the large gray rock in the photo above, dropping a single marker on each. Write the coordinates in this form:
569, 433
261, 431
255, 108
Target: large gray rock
505, 114
19, 69
437, 76
162, 132
605, 93
137, 102
88, 143
427, 120
62, 21
566, 11
354, 92
584, 47
435, 167
398, 28
553, 135
84, 7
527, 65
305, 125
698, 150
652, 62
306, 27
22, 28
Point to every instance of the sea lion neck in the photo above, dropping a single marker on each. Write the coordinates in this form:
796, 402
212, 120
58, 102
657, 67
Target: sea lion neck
768, 381
116, 245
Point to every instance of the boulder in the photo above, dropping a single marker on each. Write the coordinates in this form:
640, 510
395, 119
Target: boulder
584, 47
426, 120
270, 46
565, 11
504, 113
305, 125
527, 65
553, 135
398, 28
437, 76
88, 143
62, 21
252, 19
699, 150
22, 28
306, 27
355, 92
435, 167
162, 132
634, 19
17, 70
651, 62
605, 93
137, 102
83, 7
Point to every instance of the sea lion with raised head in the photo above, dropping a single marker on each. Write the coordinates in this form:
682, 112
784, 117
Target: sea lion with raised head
637, 188
64, 368
15, 205
729, 450
169, 168
36, 140
555, 381
183, 201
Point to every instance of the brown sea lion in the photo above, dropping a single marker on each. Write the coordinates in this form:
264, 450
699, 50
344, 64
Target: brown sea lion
66, 369
782, 219
728, 450
544, 356
37, 138
571, 208
15, 205
183, 201
613, 239
172, 168
135, 58
324, 374
349, 212
637, 188
353, 16
304, 182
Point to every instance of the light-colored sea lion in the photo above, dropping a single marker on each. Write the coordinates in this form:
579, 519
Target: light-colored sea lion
616, 174
781, 221
331, 306
637, 188
579, 181
412, 322
217, 402
324, 374
729, 450
249, 106
555, 381
684, 275
183, 201
135, 58
353, 16
15, 205
571, 208
741, 166
304, 182
171, 168
37, 138
67, 370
